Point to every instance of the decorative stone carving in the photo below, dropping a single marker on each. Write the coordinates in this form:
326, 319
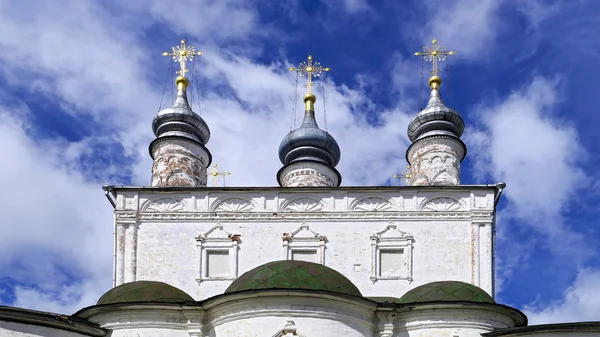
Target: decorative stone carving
289, 330
305, 240
443, 204
234, 205
394, 246
303, 205
164, 205
373, 204
435, 161
308, 174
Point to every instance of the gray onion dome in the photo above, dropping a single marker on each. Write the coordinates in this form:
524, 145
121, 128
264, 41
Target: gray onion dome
436, 119
179, 120
309, 142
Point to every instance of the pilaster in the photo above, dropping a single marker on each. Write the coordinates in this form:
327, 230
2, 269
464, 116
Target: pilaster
130, 252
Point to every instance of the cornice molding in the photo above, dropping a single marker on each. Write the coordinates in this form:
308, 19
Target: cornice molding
127, 217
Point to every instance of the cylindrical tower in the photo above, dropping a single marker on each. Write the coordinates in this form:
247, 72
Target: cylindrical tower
436, 150
180, 157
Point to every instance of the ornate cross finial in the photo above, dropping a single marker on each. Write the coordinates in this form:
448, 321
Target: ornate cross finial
215, 174
404, 175
182, 54
434, 55
309, 69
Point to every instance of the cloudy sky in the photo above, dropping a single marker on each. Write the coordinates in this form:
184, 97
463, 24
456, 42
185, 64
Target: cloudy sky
80, 82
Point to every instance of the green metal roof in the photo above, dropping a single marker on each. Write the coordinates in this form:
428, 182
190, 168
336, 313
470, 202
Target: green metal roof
446, 291
289, 274
145, 291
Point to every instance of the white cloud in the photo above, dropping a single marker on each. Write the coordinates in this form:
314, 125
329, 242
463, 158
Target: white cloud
466, 26
539, 156
472, 27
52, 217
580, 302
355, 6
204, 20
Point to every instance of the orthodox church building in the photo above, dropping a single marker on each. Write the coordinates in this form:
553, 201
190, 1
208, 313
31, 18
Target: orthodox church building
308, 257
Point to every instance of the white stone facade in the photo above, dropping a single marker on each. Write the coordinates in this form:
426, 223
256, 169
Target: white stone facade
179, 162
438, 234
435, 161
308, 174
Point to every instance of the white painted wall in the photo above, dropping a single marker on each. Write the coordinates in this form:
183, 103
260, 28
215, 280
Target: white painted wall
452, 231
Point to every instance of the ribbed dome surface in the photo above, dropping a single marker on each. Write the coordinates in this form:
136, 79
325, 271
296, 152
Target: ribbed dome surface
289, 274
145, 291
180, 120
446, 291
309, 142
436, 119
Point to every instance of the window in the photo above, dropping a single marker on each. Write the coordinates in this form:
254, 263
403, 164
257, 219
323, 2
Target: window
304, 255
390, 262
304, 245
218, 255
391, 255
218, 263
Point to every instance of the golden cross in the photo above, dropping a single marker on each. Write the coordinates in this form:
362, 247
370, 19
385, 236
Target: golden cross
309, 69
182, 54
216, 173
405, 175
434, 55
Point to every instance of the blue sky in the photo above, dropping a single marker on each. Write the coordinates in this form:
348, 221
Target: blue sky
82, 80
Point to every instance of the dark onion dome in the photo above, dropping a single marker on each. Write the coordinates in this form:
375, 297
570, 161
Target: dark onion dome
145, 291
180, 120
309, 142
446, 291
436, 118
290, 274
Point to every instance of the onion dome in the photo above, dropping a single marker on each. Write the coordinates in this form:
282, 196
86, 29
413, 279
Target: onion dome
179, 120
309, 142
294, 275
446, 291
436, 119
145, 291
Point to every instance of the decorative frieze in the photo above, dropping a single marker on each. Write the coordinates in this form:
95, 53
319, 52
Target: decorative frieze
303, 205
373, 204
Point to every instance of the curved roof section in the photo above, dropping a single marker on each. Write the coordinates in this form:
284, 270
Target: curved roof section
436, 119
309, 142
145, 291
446, 291
290, 274
180, 120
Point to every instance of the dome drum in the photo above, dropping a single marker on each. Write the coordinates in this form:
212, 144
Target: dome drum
319, 174
197, 149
